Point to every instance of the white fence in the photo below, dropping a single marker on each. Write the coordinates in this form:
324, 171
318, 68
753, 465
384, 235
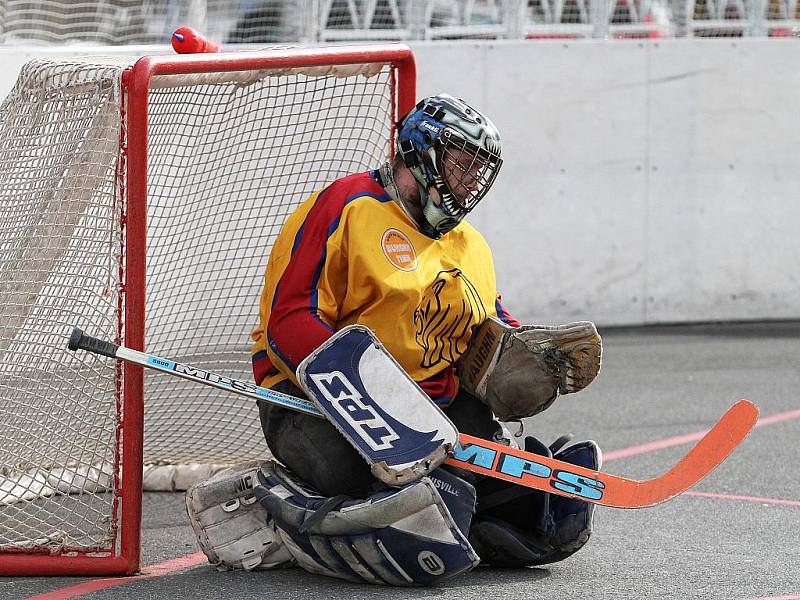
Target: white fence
121, 22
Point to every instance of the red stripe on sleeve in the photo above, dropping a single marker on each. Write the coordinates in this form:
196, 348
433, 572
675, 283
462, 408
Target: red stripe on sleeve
296, 324
262, 367
503, 314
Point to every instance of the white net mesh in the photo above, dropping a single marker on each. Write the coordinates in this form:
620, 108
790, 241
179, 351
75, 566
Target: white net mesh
229, 158
59, 252
228, 164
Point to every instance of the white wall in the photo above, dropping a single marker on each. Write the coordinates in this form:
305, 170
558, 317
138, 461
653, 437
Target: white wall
643, 181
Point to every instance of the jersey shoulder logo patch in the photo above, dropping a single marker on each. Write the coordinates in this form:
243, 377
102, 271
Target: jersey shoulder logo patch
399, 250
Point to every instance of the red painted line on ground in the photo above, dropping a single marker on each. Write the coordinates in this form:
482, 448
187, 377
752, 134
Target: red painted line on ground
693, 437
653, 446
689, 437
784, 416
758, 499
156, 570
175, 564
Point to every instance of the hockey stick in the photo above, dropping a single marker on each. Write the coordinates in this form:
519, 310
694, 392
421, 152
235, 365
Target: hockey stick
497, 460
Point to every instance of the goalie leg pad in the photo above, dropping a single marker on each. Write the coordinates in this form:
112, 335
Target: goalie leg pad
232, 528
402, 537
535, 528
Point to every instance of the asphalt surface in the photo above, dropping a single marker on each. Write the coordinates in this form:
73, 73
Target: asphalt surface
656, 383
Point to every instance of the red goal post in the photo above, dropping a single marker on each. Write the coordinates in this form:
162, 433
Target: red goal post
42, 495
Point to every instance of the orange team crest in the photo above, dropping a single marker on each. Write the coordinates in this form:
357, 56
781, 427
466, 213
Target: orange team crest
399, 250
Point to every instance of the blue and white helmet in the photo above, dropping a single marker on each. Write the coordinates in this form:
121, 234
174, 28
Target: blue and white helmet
453, 151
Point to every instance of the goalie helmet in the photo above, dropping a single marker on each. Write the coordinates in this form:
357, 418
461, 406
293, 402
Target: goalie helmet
453, 151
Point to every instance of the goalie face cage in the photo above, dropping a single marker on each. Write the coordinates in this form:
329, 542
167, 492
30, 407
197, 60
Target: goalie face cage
146, 198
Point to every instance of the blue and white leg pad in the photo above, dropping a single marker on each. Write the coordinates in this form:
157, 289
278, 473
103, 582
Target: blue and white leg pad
387, 417
403, 537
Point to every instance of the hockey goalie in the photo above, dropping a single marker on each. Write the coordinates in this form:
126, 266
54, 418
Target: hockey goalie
380, 305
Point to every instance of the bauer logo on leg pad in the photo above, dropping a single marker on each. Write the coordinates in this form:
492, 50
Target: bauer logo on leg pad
362, 390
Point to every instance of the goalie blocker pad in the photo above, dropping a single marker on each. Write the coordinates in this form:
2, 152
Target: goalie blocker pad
384, 414
402, 537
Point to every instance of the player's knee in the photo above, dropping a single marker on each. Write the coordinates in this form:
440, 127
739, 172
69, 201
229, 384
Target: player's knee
318, 454
535, 528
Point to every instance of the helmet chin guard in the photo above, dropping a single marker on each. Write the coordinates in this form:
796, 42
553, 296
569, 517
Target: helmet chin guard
453, 151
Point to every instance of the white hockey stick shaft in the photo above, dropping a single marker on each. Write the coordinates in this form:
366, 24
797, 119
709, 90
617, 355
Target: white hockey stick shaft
79, 340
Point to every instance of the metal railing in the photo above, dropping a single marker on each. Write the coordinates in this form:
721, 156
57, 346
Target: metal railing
123, 22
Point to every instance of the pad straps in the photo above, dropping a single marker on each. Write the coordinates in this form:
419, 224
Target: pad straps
320, 513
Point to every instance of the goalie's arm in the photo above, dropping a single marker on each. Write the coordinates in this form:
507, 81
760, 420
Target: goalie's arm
306, 274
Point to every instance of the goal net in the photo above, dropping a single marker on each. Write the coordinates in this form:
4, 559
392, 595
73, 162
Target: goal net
211, 153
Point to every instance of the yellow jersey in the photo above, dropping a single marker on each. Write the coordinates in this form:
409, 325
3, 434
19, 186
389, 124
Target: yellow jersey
350, 255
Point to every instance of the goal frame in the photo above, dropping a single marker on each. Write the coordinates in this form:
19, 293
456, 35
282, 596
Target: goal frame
125, 556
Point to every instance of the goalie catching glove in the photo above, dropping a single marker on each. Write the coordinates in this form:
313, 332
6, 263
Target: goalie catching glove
519, 371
